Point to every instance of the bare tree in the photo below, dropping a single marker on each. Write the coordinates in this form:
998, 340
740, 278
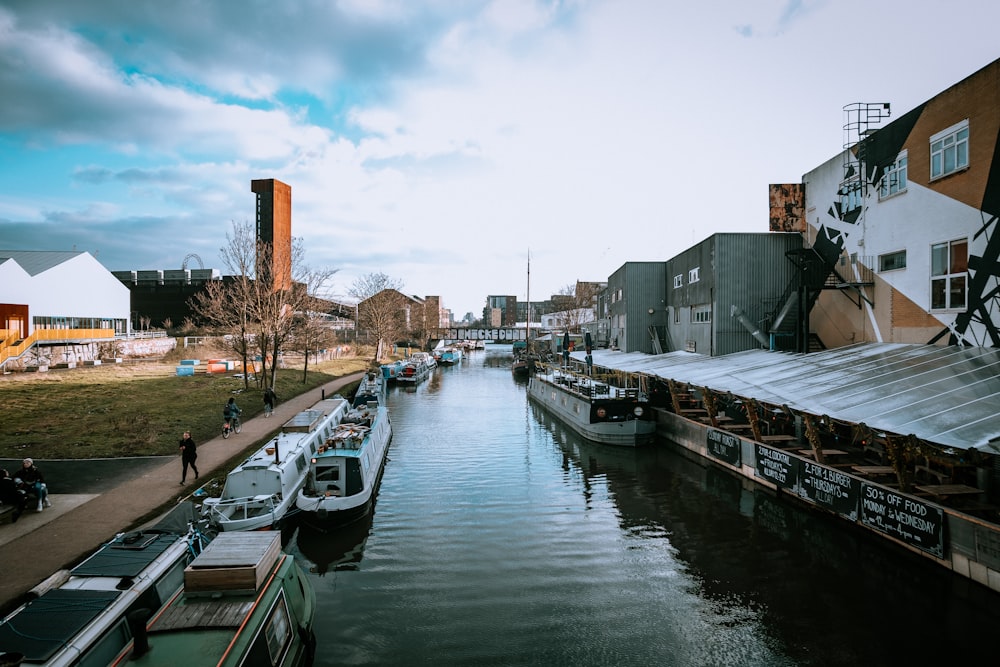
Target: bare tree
226, 304
380, 308
257, 304
312, 331
578, 305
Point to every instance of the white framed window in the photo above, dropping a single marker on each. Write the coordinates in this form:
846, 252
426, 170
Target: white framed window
949, 274
950, 150
701, 314
891, 261
693, 274
893, 178
679, 280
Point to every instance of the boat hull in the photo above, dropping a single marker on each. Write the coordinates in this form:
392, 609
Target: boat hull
579, 413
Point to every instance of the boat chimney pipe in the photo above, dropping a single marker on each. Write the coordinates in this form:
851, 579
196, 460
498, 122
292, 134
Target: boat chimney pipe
140, 638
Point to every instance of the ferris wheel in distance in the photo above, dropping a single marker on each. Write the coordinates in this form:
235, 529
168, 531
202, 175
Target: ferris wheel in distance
184, 264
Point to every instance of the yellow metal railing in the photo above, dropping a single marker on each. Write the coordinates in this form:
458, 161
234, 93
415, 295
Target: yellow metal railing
8, 350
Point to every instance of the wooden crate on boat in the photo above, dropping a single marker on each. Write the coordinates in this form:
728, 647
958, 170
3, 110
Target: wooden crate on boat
303, 422
237, 561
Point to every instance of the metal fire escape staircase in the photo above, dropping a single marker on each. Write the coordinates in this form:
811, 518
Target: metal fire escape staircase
824, 268
815, 274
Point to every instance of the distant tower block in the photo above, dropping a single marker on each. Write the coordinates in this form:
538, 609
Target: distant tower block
274, 227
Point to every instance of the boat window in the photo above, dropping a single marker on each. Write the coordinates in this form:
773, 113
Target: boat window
277, 631
271, 646
168, 584
301, 463
328, 474
106, 649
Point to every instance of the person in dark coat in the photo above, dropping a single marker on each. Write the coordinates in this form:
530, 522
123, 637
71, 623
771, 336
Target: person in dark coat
269, 399
33, 482
189, 454
11, 495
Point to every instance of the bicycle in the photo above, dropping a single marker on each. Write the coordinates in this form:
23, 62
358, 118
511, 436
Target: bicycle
196, 539
232, 425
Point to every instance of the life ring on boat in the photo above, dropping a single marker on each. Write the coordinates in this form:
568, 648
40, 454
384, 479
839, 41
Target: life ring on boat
602, 413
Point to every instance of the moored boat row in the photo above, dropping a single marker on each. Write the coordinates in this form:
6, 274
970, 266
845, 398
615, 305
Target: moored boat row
197, 599
229, 595
261, 490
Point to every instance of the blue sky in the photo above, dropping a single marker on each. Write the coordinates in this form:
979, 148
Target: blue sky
438, 141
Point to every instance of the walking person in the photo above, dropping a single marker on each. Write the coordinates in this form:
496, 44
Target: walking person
189, 454
32, 481
269, 399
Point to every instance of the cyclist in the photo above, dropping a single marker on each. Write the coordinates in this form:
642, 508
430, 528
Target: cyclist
230, 411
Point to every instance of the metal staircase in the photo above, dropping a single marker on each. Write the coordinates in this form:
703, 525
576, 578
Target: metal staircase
816, 272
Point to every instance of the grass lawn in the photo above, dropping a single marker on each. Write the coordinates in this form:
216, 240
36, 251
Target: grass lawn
134, 409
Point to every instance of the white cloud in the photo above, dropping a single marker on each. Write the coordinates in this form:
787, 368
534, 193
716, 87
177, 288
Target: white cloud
437, 142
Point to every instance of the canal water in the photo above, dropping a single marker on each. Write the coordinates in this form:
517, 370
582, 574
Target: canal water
501, 538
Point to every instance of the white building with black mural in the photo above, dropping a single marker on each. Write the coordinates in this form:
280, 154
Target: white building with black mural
905, 218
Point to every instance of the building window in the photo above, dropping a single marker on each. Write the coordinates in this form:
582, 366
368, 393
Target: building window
894, 178
701, 314
950, 150
693, 274
949, 274
850, 196
679, 280
892, 261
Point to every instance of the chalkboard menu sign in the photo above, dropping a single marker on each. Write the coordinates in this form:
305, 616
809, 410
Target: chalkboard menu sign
724, 446
905, 518
830, 488
778, 467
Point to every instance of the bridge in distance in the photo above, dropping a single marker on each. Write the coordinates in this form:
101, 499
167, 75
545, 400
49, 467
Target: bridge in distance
502, 334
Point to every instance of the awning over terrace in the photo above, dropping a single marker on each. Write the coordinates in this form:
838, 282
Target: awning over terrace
944, 395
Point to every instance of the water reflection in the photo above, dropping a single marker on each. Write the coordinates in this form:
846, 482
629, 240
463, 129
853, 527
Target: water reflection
501, 537
338, 550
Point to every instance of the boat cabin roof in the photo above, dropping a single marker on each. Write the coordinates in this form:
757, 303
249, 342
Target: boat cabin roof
50, 622
126, 557
45, 625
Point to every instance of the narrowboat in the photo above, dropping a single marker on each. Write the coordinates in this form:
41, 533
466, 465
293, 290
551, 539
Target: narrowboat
345, 472
244, 602
596, 409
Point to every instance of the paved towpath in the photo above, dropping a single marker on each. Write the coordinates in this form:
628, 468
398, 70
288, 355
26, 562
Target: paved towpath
42, 543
